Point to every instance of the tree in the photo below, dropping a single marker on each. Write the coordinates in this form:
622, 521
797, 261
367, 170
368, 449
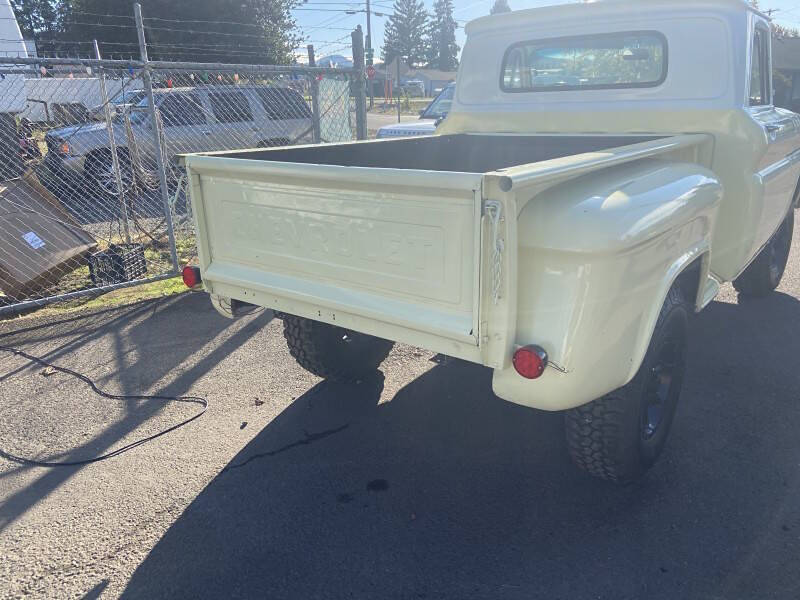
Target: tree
500, 6
405, 33
236, 31
780, 30
38, 19
782, 82
442, 50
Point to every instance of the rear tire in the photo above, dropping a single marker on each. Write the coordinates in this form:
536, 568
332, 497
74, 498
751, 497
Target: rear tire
333, 352
765, 273
621, 435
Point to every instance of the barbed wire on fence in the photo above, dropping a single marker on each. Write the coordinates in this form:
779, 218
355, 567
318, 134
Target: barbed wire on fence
72, 220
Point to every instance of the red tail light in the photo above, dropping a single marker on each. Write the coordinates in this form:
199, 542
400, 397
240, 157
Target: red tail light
191, 276
530, 361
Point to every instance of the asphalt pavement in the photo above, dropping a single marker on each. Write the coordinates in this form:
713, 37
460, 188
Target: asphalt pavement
415, 483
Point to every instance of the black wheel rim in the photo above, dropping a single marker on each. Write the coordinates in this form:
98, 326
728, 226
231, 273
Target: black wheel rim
663, 386
106, 178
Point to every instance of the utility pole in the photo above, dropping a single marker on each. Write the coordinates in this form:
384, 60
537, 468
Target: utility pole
147, 78
316, 126
397, 95
369, 57
360, 92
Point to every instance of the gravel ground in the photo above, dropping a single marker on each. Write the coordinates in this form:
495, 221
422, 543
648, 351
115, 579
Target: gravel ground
418, 483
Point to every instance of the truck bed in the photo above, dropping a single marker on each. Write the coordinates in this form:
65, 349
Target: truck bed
461, 153
412, 240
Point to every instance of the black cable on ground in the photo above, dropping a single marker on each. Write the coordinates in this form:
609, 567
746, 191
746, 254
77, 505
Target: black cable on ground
36, 463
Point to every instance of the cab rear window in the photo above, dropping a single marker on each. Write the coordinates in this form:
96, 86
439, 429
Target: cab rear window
608, 61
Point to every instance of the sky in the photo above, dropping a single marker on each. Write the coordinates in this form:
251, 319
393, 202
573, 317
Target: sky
326, 24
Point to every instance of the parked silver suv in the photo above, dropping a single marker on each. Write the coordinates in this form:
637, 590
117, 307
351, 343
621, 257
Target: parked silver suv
123, 101
195, 119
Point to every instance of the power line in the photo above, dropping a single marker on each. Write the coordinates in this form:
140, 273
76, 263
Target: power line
239, 23
103, 25
332, 28
328, 22
171, 29
93, 14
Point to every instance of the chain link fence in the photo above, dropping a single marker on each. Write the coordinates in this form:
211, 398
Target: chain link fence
93, 197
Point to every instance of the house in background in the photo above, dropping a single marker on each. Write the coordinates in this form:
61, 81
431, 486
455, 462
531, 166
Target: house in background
435, 81
786, 72
335, 61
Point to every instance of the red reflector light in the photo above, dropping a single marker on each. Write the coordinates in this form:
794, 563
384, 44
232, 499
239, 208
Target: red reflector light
530, 361
191, 276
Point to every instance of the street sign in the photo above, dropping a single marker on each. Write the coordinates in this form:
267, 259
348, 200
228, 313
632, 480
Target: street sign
370, 72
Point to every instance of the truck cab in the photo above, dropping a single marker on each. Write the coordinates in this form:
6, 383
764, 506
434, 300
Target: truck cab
692, 66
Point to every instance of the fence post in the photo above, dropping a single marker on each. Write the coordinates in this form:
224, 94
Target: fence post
312, 62
159, 150
359, 85
112, 143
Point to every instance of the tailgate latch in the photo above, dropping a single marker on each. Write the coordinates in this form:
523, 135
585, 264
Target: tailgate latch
494, 210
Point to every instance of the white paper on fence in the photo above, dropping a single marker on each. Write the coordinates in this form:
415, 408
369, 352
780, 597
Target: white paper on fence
334, 111
34, 240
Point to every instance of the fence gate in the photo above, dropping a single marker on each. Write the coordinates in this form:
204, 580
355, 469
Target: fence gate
92, 197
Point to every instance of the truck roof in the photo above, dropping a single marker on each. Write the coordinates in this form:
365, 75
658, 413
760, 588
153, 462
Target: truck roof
603, 8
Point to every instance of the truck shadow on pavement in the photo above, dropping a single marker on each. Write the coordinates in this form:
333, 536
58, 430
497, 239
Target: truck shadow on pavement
115, 345
448, 492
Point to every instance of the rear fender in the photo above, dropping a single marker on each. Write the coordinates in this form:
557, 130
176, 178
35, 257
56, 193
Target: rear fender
597, 257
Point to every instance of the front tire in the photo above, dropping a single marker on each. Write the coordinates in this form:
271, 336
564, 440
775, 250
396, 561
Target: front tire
100, 171
621, 435
333, 352
765, 273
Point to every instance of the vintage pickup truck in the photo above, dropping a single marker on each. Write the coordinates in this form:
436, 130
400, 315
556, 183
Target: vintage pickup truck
605, 167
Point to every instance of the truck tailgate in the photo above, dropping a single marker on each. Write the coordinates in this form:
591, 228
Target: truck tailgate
379, 250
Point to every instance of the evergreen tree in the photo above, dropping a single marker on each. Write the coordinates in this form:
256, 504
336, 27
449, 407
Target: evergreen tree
405, 33
500, 6
442, 50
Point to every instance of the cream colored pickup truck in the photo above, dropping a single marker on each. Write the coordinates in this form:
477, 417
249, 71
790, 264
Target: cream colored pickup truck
604, 168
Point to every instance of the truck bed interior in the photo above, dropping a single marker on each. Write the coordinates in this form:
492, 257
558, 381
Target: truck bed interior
461, 153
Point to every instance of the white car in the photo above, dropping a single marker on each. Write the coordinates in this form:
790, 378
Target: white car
195, 119
124, 100
428, 119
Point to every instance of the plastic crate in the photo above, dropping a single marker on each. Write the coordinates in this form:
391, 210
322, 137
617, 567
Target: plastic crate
119, 264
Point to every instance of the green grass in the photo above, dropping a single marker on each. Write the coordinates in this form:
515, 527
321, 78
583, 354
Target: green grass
146, 291
159, 259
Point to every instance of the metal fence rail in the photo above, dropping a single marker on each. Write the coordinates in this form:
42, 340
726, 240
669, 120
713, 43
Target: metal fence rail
92, 196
